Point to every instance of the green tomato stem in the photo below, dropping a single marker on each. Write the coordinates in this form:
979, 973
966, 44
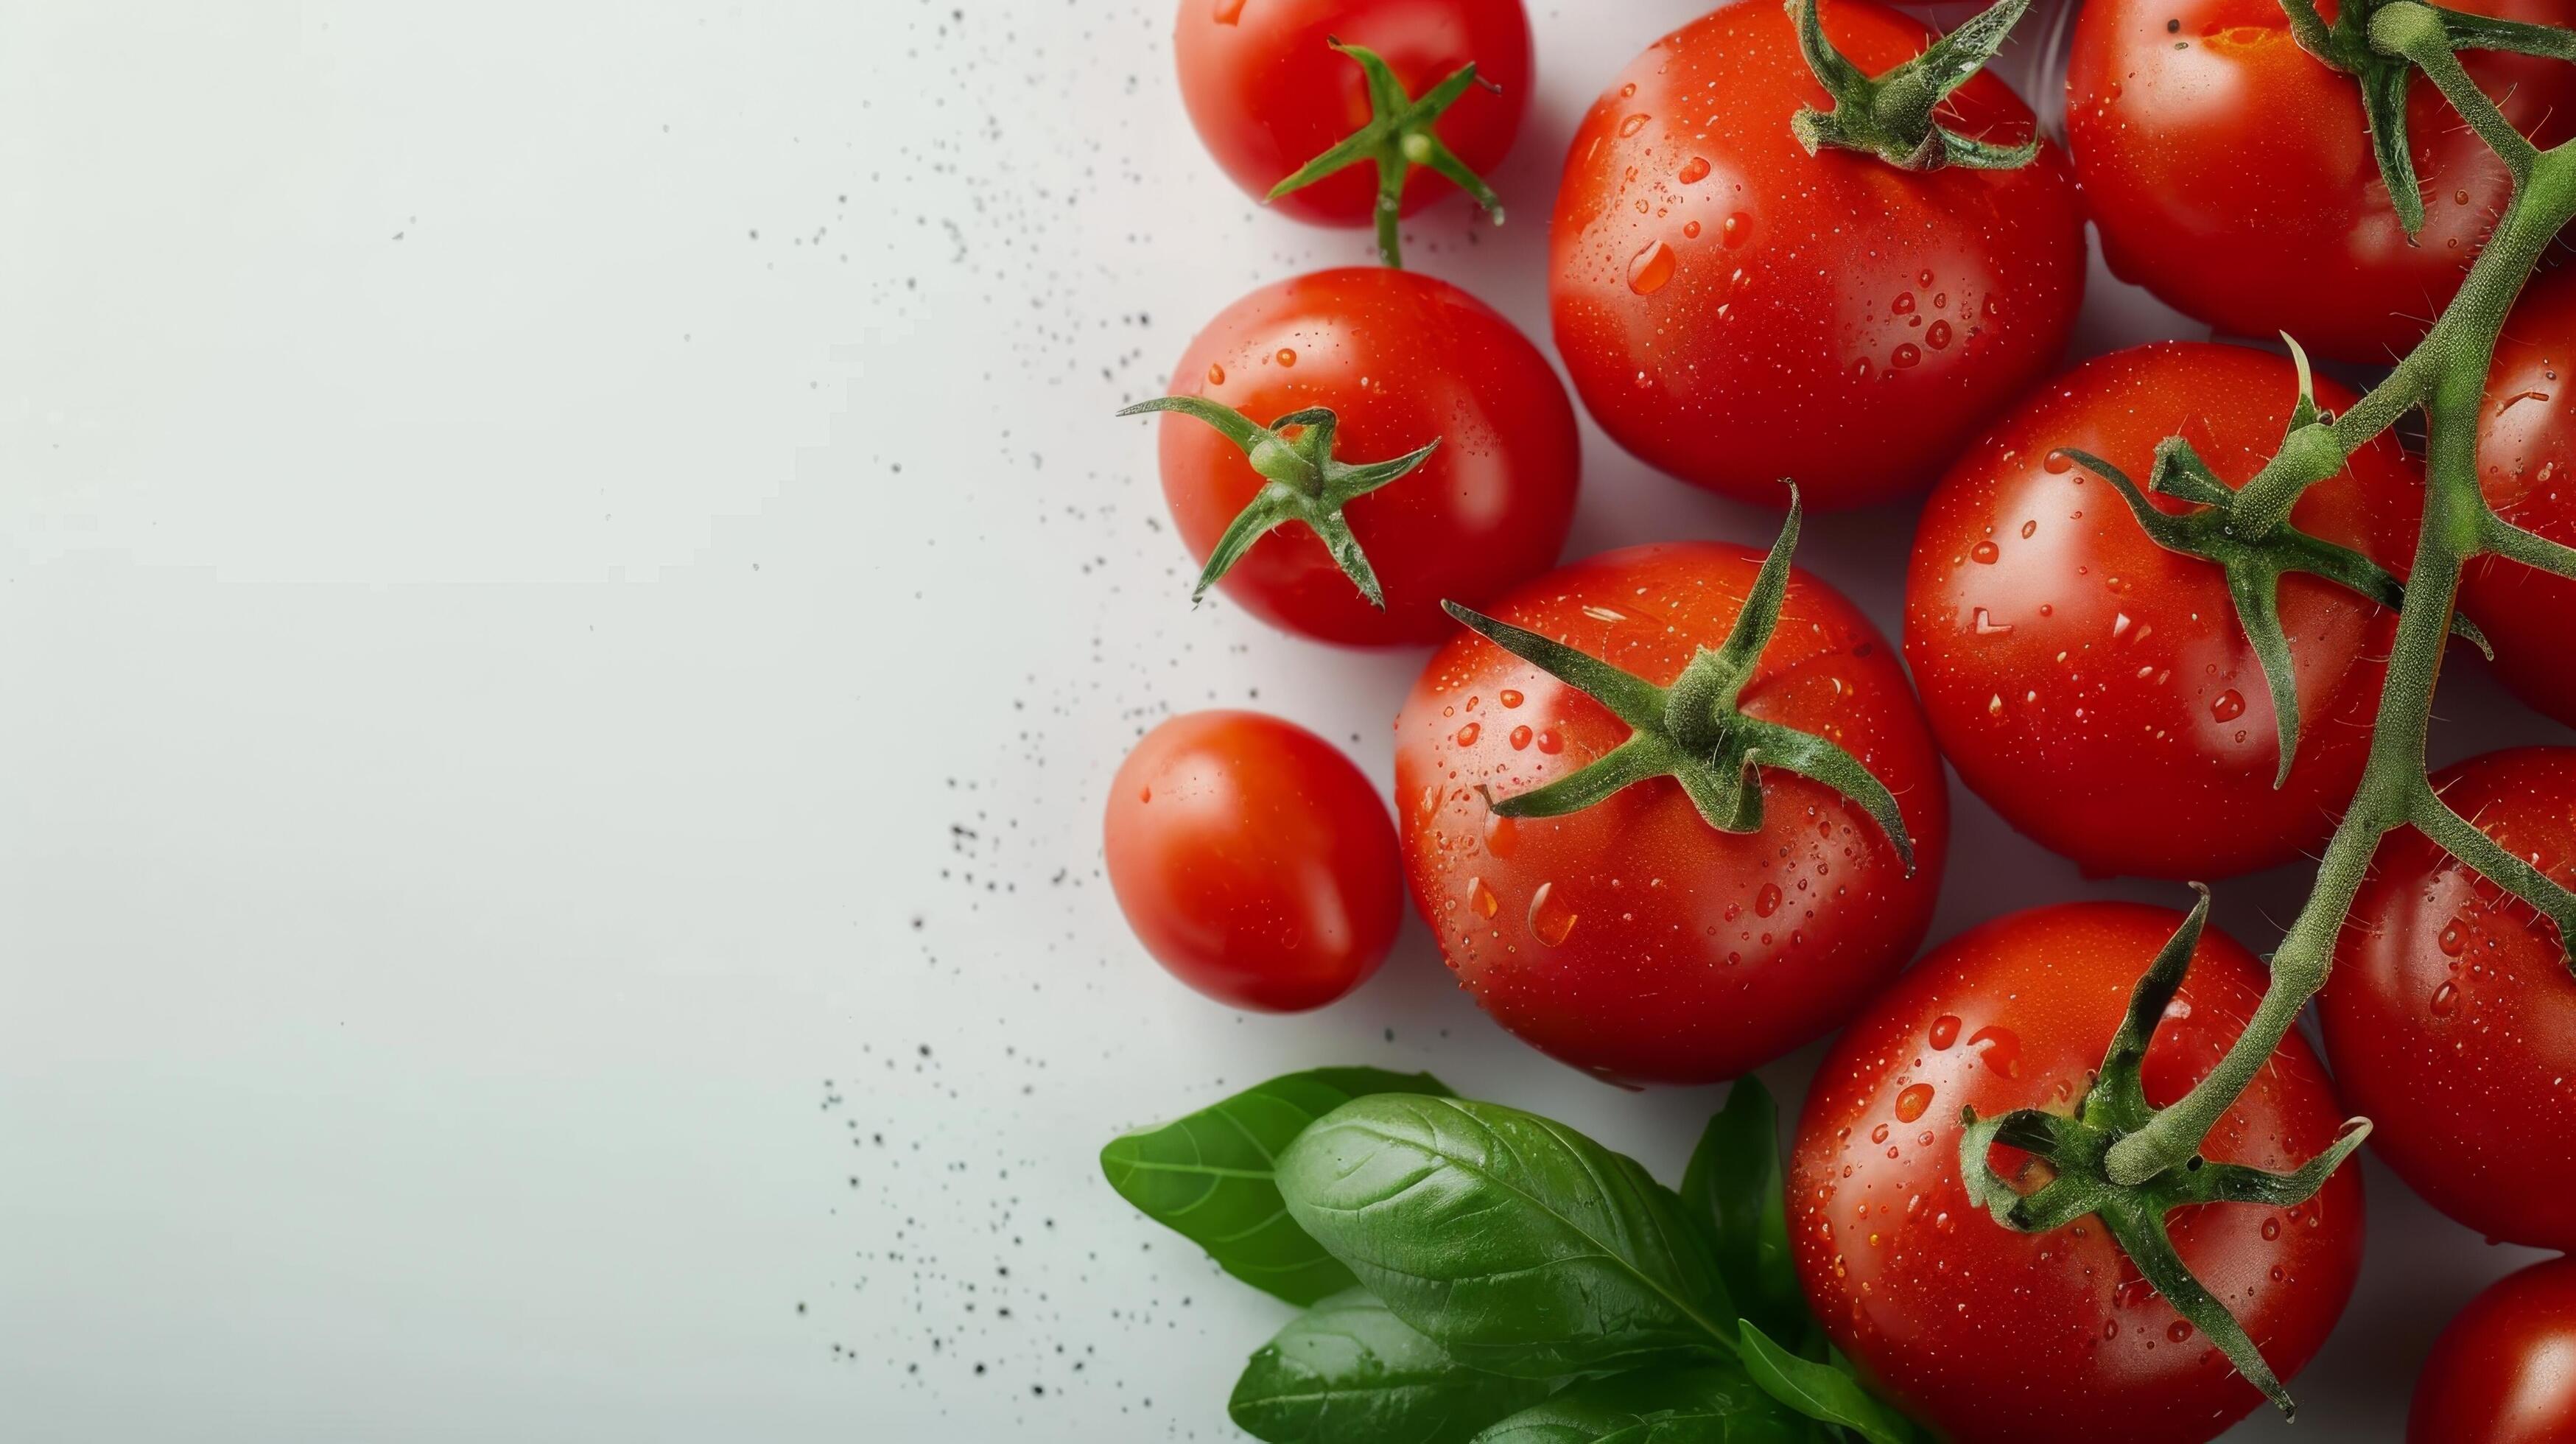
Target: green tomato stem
2446, 374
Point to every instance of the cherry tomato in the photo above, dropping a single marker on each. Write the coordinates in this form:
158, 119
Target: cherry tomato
1401, 359
2098, 689
2527, 467
2500, 1373
1998, 1337
1268, 92
1631, 938
1253, 860
2231, 172
2450, 1018
1734, 310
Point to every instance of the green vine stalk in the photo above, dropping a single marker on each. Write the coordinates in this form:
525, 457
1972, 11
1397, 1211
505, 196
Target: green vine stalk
2128, 1163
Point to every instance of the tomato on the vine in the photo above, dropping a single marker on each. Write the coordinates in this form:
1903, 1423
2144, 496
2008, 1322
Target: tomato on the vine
2098, 689
1268, 91
1998, 1337
2500, 1374
2527, 468
2232, 173
1632, 938
1402, 361
2451, 1014
1734, 310
1253, 860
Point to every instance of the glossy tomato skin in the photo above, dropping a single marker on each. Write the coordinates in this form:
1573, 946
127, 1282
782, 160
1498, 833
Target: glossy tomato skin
2098, 689
1631, 939
2231, 173
2450, 1019
1253, 860
1268, 93
2527, 468
1400, 358
1996, 1337
1734, 310
2499, 1374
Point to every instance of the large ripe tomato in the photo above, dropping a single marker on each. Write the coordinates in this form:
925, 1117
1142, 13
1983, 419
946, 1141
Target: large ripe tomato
1734, 310
2527, 467
2501, 1373
1998, 1337
1401, 359
1268, 93
1253, 860
1631, 938
2096, 688
2231, 172
2450, 1018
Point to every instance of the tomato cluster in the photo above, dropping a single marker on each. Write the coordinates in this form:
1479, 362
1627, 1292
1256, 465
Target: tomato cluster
1674, 810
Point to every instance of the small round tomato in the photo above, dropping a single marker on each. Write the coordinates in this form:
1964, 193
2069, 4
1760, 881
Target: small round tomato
1402, 360
1631, 938
2098, 689
2500, 1373
1734, 310
1997, 1337
2527, 467
2450, 1017
1268, 92
1253, 860
2231, 172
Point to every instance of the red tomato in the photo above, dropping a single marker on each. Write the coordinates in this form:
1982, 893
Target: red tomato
1632, 939
1253, 860
1400, 359
2451, 1020
2231, 172
1734, 310
2098, 689
2500, 1373
1996, 1337
1268, 93
2527, 467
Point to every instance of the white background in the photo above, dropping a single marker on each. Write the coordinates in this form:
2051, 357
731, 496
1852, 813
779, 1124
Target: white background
567, 593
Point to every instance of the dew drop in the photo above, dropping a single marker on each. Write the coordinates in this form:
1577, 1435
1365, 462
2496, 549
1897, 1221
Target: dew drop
1216, 374
1904, 356
1468, 734
2057, 463
1632, 125
1767, 901
1911, 1103
1693, 171
1735, 230
1520, 738
1651, 269
2228, 706
1502, 835
2446, 1000
1550, 919
1482, 899
1984, 552
1945, 1031
1509, 697
1287, 356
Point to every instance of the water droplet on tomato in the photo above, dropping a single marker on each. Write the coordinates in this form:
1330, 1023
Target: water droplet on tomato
1904, 356
1287, 356
1945, 1031
2228, 705
1767, 901
2446, 1000
1879, 1134
1502, 835
1550, 918
1652, 268
1482, 899
1520, 738
1509, 697
2178, 1330
1903, 305
1549, 742
1632, 125
1938, 336
1468, 734
2056, 463
2454, 939
1693, 171
1735, 230
1911, 1103
2000, 1048
2271, 1229
1985, 552
1690, 231
1145, 793
1216, 374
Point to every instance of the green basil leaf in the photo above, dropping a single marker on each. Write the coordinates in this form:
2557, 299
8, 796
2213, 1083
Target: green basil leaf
1691, 1404
1820, 1391
1519, 1245
1348, 1372
1733, 1186
1207, 1176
